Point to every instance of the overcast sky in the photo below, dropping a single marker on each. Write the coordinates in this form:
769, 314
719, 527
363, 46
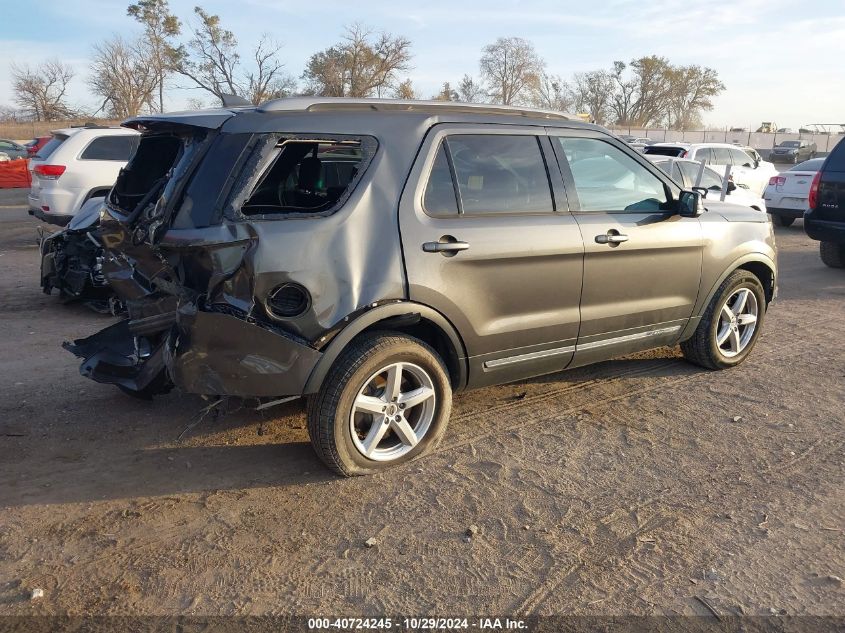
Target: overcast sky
781, 60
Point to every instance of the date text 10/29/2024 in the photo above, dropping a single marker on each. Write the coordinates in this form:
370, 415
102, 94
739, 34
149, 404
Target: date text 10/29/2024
417, 624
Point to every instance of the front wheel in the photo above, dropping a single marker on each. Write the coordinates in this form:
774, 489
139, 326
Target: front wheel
731, 324
386, 401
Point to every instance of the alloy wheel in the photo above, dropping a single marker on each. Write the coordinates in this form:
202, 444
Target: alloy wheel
393, 411
737, 322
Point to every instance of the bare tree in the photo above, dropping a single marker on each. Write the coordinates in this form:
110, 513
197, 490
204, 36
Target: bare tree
122, 75
471, 91
511, 68
160, 27
552, 93
212, 62
267, 80
362, 65
591, 93
641, 97
41, 92
447, 93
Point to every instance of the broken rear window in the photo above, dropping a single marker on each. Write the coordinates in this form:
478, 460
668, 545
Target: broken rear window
308, 176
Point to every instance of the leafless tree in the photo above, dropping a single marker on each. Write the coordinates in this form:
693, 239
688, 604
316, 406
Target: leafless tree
641, 97
447, 93
362, 65
591, 93
160, 27
123, 77
511, 67
212, 62
552, 93
41, 92
471, 91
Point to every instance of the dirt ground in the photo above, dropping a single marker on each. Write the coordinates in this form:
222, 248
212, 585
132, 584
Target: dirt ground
622, 488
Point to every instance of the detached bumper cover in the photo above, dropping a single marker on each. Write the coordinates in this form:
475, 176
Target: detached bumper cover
202, 352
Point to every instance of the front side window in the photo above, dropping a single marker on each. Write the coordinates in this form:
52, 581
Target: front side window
709, 178
306, 176
741, 159
608, 179
499, 173
118, 148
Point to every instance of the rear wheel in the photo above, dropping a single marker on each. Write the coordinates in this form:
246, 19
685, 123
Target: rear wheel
783, 220
832, 254
386, 401
729, 328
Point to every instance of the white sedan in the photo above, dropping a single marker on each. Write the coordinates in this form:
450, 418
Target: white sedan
787, 194
686, 173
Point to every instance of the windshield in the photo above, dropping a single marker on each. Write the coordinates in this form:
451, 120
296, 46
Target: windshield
50, 146
791, 144
813, 164
663, 150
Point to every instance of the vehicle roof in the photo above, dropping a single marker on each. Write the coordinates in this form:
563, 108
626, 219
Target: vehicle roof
341, 109
690, 145
94, 130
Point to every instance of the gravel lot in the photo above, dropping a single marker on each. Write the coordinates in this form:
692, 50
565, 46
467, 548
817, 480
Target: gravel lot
638, 486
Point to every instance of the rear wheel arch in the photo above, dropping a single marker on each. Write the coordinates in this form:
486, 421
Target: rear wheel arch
417, 320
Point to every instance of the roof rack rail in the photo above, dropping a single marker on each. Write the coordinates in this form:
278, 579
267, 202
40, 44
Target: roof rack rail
325, 104
92, 126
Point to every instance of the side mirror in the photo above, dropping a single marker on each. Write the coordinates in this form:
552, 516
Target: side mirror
731, 186
701, 190
690, 204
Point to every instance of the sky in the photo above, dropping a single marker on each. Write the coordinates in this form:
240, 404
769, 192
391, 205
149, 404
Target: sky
780, 60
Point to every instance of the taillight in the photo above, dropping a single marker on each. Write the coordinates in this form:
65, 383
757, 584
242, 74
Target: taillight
49, 172
777, 181
814, 190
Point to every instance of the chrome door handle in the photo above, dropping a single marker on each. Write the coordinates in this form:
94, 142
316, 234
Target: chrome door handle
611, 238
444, 247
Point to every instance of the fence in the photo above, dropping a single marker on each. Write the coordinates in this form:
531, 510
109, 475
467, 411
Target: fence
760, 141
25, 130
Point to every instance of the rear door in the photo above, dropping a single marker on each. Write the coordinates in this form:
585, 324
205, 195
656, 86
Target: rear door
642, 262
489, 242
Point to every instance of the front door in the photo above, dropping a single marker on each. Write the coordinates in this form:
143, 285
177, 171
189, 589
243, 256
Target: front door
642, 263
489, 242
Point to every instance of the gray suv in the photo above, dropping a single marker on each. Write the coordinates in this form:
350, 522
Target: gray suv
378, 256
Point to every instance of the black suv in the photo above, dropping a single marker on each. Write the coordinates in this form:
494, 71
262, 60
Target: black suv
825, 219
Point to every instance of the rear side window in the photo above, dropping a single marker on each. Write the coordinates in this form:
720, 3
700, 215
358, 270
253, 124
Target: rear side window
703, 155
721, 156
500, 174
836, 160
306, 176
118, 148
440, 199
51, 146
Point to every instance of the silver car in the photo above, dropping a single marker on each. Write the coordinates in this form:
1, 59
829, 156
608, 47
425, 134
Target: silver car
378, 256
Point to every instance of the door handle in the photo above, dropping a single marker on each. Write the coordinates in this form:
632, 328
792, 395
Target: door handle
611, 237
446, 245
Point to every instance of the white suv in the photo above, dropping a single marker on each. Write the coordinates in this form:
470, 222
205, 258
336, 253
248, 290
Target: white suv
747, 171
77, 164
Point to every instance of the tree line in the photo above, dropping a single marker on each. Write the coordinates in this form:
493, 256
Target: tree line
131, 75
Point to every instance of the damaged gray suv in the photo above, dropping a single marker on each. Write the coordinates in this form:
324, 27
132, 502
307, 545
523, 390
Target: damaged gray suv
378, 256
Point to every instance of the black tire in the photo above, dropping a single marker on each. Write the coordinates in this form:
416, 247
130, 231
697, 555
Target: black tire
330, 409
832, 254
783, 220
701, 348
